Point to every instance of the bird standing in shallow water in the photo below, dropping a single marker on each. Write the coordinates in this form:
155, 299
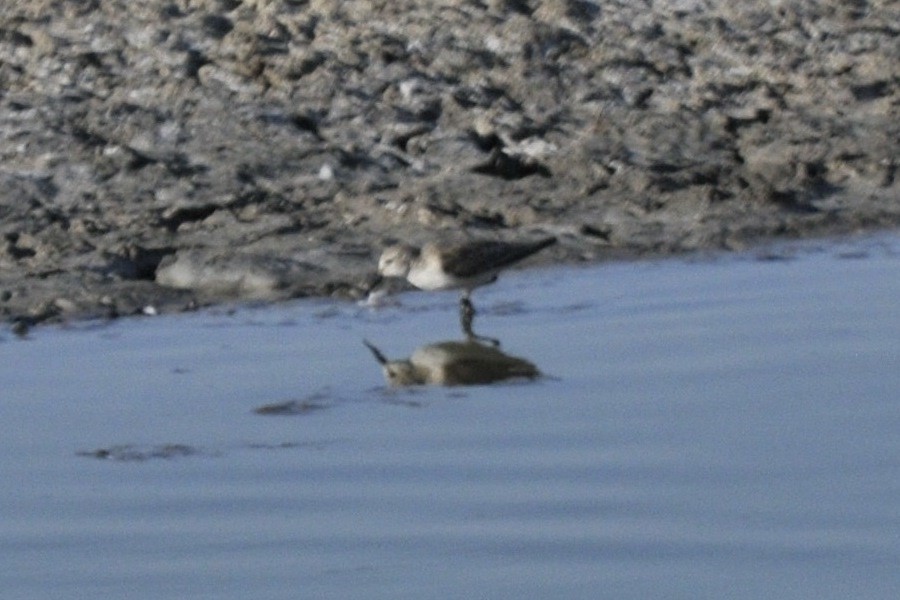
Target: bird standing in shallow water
464, 266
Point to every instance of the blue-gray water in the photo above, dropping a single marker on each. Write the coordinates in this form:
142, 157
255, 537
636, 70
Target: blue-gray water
709, 428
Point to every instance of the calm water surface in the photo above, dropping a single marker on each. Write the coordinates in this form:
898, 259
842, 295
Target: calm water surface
708, 428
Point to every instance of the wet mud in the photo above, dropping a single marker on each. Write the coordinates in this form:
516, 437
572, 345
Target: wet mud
169, 154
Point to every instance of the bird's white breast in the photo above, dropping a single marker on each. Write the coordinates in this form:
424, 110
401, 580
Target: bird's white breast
429, 276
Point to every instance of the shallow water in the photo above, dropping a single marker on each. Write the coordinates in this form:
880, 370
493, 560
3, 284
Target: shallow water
707, 428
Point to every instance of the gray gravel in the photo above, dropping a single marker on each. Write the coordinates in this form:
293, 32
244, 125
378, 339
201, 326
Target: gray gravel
171, 154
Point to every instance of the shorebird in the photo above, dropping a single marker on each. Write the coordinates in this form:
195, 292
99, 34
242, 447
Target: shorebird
464, 266
454, 363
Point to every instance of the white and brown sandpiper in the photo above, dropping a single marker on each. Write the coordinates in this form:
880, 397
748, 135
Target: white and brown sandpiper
463, 266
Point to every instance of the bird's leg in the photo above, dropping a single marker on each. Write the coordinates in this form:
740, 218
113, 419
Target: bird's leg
466, 309
466, 313
466, 317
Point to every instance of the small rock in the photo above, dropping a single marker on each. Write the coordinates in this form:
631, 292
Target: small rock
226, 273
20, 328
65, 305
326, 172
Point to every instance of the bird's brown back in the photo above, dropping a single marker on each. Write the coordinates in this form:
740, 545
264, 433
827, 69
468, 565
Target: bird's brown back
475, 258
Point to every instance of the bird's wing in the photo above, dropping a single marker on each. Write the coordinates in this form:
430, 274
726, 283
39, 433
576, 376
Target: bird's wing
475, 258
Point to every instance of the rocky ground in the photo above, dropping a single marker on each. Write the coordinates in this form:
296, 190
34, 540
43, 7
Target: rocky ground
174, 153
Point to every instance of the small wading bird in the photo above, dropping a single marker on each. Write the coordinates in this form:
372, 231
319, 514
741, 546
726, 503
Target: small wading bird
454, 363
464, 266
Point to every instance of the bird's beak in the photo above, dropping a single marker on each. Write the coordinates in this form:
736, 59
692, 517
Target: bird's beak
374, 281
382, 360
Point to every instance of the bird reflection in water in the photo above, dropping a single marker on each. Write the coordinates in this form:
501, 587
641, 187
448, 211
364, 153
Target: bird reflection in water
453, 363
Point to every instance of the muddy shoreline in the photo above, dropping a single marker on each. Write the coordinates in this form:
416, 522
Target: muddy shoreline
164, 155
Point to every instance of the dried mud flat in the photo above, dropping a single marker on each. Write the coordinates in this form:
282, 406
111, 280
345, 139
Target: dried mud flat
175, 153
